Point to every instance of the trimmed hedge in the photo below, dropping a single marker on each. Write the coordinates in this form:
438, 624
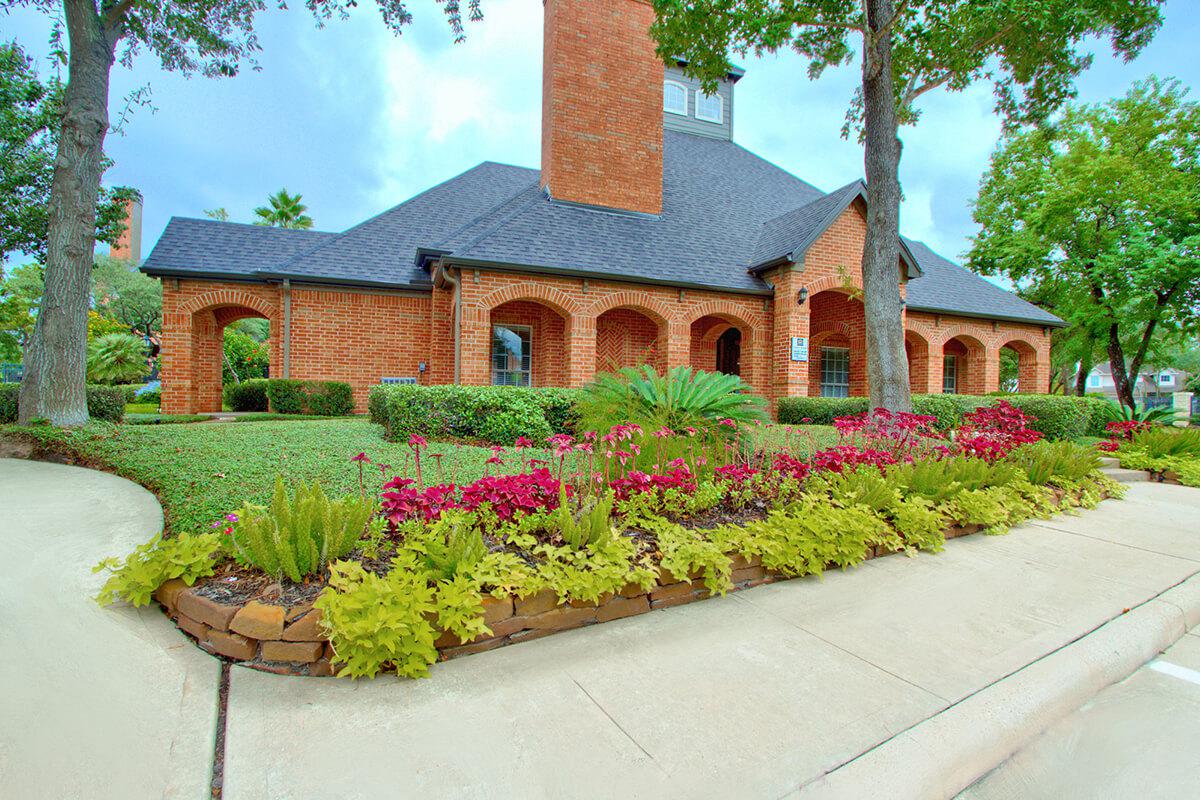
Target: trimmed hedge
103, 402
1056, 416
493, 414
322, 398
249, 395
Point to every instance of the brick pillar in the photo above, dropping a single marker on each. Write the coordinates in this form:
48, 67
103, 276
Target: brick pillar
933, 369
476, 343
1041, 368
581, 350
679, 344
790, 378
991, 369
175, 352
207, 353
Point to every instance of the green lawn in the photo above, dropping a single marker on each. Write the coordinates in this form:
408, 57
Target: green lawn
203, 470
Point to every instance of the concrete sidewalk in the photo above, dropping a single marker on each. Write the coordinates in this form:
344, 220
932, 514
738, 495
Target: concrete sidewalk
760, 694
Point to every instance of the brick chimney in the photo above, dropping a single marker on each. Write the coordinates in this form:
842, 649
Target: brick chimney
602, 100
129, 245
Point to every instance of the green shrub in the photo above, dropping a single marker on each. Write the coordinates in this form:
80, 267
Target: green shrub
320, 398
296, 537
153, 396
494, 414
8, 402
1060, 417
285, 396
377, 404
818, 410
1053, 462
560, 408
104, 402
117, 358
138, 576
248, 395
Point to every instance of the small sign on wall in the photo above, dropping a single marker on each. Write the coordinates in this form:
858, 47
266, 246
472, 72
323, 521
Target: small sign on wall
799, 348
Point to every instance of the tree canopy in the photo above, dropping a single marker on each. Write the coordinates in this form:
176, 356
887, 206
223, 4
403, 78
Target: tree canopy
283, 210
29, 121
1097, 215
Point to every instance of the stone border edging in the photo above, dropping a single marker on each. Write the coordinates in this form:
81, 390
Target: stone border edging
944, 754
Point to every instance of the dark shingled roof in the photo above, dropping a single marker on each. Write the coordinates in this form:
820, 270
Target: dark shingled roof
725, 211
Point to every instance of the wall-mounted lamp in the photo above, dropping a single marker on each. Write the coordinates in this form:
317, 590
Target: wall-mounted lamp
801, 295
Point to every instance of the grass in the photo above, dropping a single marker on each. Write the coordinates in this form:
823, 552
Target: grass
203, 471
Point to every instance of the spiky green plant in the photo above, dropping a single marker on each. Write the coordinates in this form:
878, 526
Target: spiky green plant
1116, 412
592, 525
298, 536
453, 546
680, 398
1048, 462
1168, 443
117, 358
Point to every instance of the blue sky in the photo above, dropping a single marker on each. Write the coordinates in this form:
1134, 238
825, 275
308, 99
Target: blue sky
357, 120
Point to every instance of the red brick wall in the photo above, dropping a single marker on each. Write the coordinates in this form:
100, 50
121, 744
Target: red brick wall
602, 105
547, 338
627, 338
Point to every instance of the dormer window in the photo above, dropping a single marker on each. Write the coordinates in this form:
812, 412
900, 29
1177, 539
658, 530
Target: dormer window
709, 107
675, 97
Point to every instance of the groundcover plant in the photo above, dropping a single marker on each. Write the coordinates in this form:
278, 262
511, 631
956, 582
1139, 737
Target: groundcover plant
589, 516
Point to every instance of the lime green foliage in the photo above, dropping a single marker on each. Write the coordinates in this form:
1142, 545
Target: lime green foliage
1050, 462
688, 552
1165, 450
296, 537
864, 486
590, 573
117, 358
671, 503
152, 564
919, 523
591, 526
460, 608
380, 621
452, 546
683, 397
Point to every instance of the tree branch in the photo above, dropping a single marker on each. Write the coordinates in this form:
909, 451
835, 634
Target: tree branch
933, 83
115, 15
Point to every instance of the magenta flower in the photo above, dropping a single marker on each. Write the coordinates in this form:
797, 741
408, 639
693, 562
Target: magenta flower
728, 423
523, 442
362, 457
664, 432
231, 517
416, 440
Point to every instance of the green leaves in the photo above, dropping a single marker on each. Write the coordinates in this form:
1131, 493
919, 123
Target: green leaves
283, 210
152, 564
297, 536
681, 398
117, 358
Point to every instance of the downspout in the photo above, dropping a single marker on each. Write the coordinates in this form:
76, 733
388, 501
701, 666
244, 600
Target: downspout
287, 326
441, 278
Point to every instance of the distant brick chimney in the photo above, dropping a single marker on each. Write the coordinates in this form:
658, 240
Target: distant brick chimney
602, 105
129, 245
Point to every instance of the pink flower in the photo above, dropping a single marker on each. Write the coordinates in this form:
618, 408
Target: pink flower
806, 420
362, 457
664, 432
590, 436
728, 423
495, 460
416, 441
497, 449
231, 517
522, 442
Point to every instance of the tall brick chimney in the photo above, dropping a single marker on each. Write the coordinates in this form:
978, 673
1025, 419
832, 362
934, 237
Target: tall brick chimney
602, 99
129, 245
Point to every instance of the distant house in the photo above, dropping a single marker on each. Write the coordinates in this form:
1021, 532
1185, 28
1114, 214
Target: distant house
1153, 386
645, 236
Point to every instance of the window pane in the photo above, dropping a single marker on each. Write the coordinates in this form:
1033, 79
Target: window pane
708, 107
674, 98
950, 375
835, 372
512, 356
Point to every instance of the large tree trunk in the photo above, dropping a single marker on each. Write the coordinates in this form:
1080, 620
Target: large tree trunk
887, 366
1086, 362
1116, 362
55, 375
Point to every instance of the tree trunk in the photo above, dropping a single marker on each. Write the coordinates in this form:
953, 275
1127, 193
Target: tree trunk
1116, 362
1086, 362
887, 365
53, 385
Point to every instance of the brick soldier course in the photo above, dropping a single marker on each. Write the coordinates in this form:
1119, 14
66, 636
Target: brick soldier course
648, 236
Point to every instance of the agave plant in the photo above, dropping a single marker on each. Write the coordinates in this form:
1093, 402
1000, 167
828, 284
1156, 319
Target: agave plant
117, 358
681, 398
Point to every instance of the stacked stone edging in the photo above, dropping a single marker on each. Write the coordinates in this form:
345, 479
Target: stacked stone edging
289, 640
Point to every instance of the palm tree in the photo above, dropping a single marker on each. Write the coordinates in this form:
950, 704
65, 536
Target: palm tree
285, 211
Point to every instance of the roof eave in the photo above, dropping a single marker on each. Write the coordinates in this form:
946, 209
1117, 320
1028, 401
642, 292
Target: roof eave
1057, 323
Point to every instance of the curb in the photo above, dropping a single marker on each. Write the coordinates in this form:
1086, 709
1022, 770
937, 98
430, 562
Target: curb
943, 755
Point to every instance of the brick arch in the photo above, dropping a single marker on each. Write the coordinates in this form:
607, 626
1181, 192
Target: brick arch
978, 369
917, 350
559, 301
723, 309
969, 336
834, 283
642, 302
1029, 368
229, 297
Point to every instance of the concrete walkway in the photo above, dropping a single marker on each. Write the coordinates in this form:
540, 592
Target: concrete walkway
756, 695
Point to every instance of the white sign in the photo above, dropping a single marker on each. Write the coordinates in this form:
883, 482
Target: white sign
799, 348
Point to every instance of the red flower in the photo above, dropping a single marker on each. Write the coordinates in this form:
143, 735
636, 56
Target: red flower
361, 457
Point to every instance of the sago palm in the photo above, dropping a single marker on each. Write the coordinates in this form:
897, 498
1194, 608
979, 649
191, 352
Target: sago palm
284, 211
117, 358
683, 397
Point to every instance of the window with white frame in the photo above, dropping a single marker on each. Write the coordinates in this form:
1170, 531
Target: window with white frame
675, 97
1094, 381
512, 355
1165, 379
709, 107
835, 372
950, 375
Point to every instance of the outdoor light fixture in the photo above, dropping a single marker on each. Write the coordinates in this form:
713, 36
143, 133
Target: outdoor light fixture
801, 295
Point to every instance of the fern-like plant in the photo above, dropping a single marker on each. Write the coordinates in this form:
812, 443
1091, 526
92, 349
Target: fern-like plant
298, 536
592, 525
683, 397
454, 545
1051, 462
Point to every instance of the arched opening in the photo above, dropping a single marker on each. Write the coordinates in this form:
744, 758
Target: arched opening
963, 366
837, 364
527, 345
721, 343
212, 362
1019, 367
916, 349
630, 337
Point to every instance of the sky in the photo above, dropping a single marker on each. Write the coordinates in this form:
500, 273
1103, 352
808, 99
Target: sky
357, 120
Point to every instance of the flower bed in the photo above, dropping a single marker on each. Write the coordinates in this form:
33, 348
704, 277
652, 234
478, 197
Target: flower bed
1169, 455
432, 570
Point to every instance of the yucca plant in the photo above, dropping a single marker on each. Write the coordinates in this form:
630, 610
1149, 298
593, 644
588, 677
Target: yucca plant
117, 358
593, 523
297, 536
682, 397
1168, 443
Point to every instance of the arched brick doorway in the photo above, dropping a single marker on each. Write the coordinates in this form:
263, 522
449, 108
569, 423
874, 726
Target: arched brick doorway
723, 343
1026, 374
963, 368
630, 337
527, 345
837, 358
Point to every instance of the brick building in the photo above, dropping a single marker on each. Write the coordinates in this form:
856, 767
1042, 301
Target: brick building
647, 236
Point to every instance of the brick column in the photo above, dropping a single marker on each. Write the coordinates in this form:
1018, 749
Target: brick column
991, 369
581, 350
679, 344
790, 378
933, 372
175, 352
207, 353
475, 369
1041, 368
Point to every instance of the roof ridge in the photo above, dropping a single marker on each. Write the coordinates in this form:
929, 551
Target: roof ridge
254, 225
517, 206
